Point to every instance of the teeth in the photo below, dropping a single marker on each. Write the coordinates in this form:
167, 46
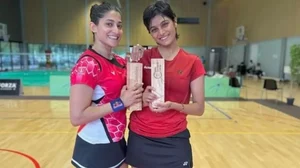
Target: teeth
113, 37
163, 38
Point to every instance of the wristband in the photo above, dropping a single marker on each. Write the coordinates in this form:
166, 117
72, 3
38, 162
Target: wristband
117, 105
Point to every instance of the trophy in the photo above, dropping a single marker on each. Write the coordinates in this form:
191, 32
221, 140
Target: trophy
134, 74
158, 79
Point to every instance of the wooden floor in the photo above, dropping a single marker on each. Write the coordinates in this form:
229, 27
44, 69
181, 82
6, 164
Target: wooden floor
230, 134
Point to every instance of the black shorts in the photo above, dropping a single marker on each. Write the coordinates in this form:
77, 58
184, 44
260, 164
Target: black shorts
170, 152
88, 155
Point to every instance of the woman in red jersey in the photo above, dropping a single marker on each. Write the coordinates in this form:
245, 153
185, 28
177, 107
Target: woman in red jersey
159, 138
98, 97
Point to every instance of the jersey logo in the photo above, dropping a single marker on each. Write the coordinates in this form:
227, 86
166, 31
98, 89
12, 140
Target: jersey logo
147, 67
80, 70
117, 104
185, 163
180, 71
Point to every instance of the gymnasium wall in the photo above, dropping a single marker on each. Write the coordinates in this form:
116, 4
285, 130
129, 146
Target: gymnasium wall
264, 19
272, 26
33, 21
66, 22
219, 23
10, 15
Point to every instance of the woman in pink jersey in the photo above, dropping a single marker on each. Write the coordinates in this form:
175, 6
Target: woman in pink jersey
98, 97
158, 137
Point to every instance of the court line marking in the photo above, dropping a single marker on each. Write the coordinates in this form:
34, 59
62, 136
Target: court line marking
219, 110
33, 160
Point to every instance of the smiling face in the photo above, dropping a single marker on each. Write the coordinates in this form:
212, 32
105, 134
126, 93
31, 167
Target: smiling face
163, 30
108, 31
160, 21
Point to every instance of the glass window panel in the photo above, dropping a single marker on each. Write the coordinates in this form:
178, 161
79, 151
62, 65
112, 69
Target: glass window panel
37, 56
17, 59
6, 58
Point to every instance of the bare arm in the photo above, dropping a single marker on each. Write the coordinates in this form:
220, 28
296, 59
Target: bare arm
81, 111
82, 84
197, 107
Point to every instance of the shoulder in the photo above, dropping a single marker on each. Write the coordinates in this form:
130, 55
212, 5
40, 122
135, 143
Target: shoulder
188, 54
86, 63
192, 61
88, 55
190, 57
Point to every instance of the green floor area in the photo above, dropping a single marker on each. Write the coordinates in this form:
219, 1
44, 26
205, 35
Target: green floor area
33, 78
59, 83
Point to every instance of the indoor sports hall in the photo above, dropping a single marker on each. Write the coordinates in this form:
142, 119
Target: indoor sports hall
250, 50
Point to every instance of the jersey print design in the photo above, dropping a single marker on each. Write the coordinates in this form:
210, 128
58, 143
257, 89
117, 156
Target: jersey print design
115, 127
87, 65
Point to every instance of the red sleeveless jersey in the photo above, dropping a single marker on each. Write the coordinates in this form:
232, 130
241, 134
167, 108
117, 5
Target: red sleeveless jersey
106, 78
179, 73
